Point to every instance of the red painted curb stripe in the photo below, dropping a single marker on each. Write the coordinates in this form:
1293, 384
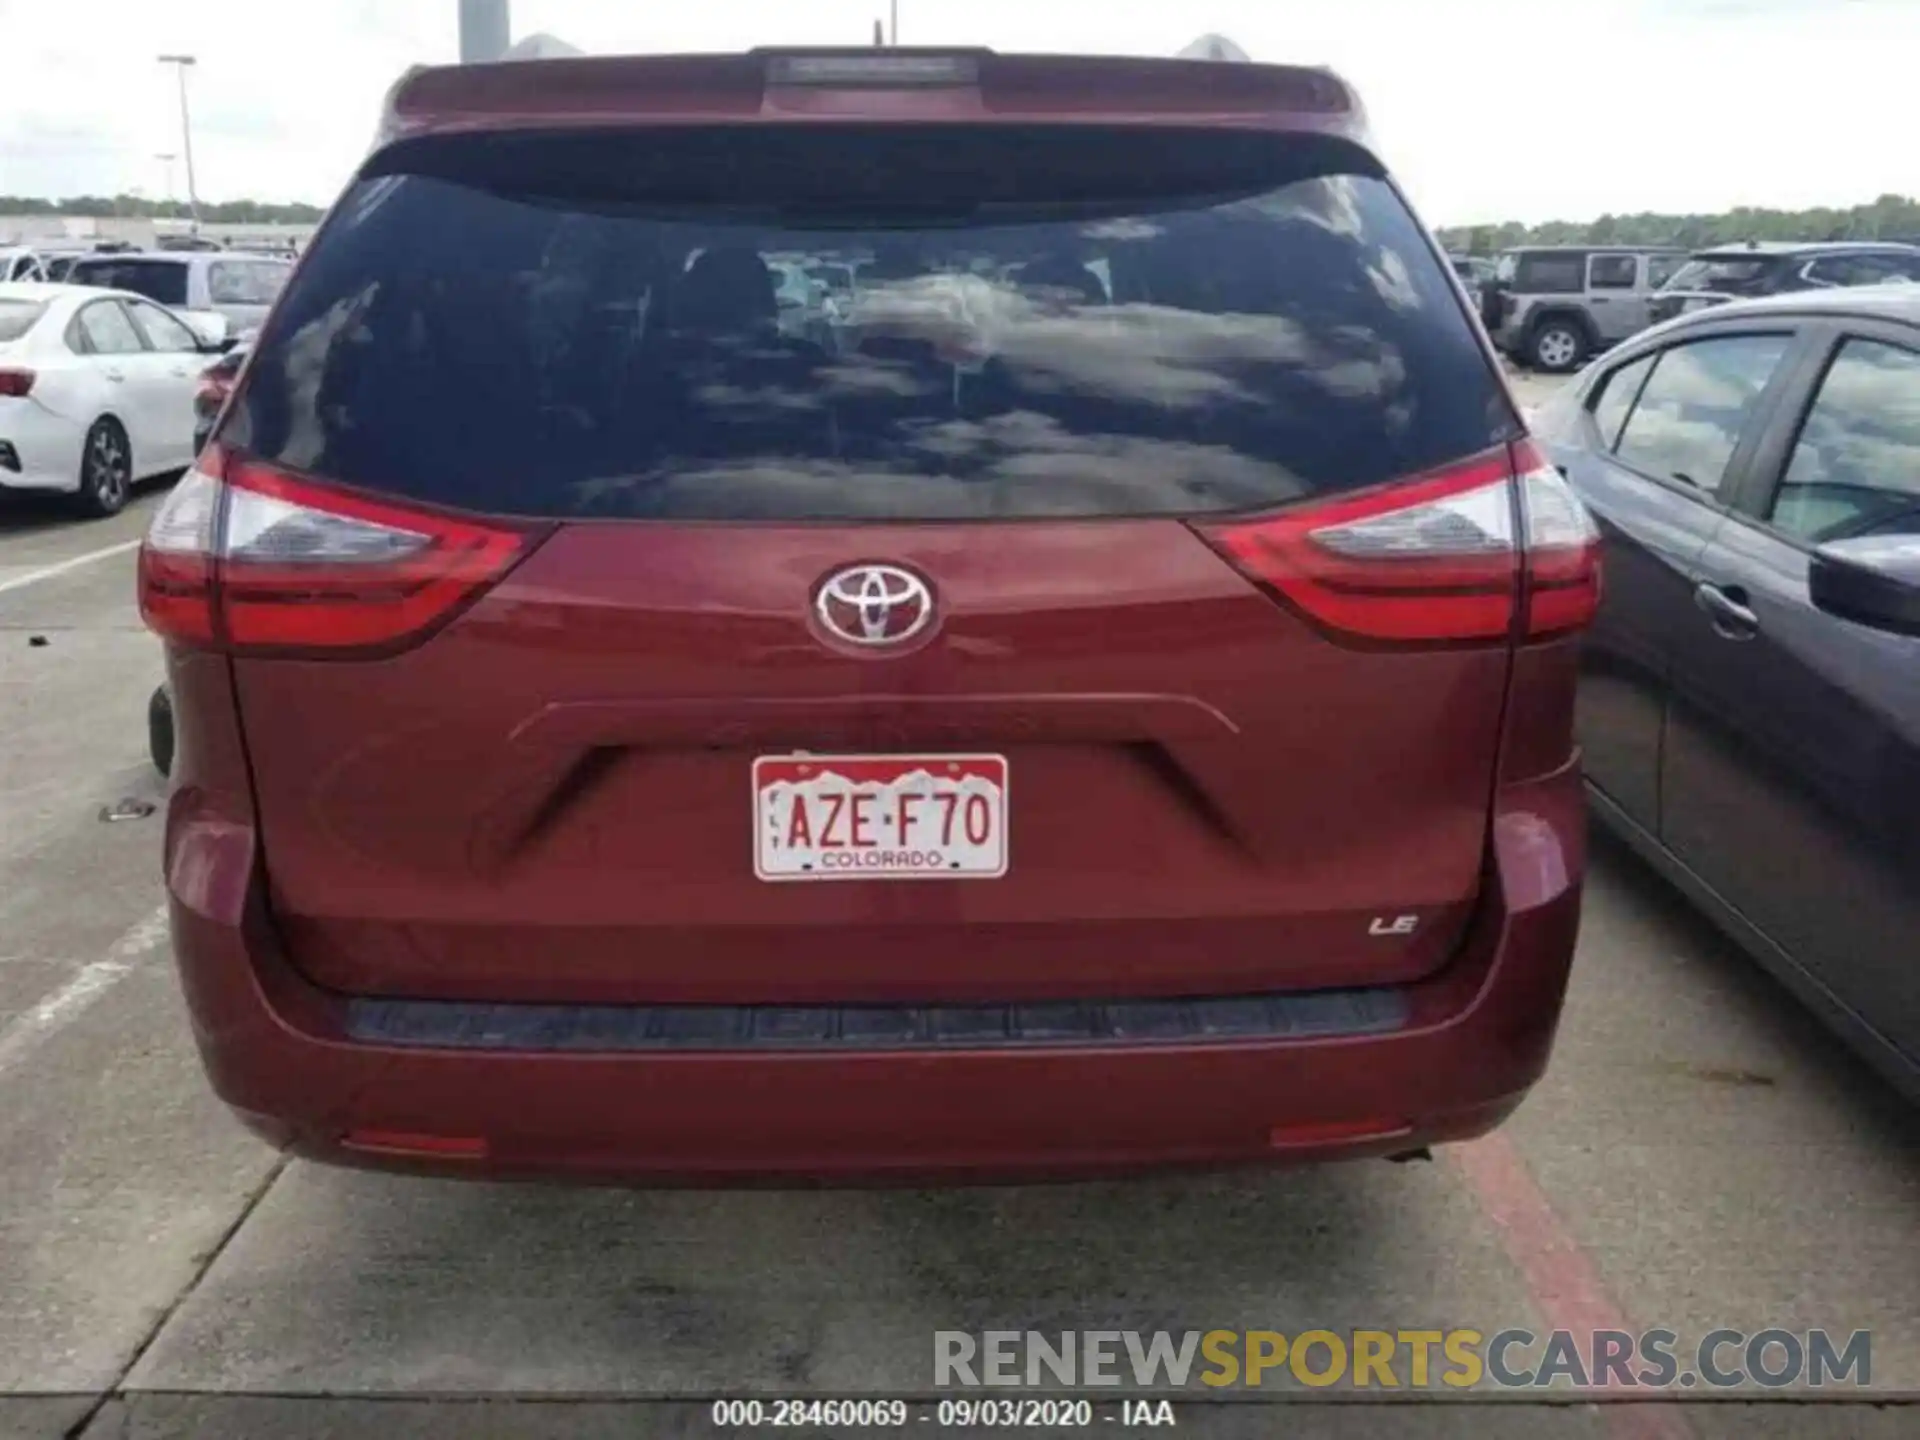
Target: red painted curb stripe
1560, 1277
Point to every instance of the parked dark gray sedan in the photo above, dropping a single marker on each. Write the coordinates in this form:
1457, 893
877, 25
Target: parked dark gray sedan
1750, 705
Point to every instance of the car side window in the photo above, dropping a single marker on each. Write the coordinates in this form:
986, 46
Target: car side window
1838, 270
1549, 274
162, 280
1878, 269
1612, 272
1617, 394
163, 332
106, 330
245, 282
1855, 469
1687, 421
1862, 269
1662, 268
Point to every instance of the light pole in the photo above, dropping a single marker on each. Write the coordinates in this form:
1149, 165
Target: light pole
180, 64
486, 30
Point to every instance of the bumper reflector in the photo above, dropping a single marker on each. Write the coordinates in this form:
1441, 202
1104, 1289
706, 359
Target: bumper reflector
1334, 1132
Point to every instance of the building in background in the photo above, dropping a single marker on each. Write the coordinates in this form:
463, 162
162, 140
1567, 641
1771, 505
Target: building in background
68, 232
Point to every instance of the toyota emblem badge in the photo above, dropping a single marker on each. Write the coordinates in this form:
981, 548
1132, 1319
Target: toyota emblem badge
874, 604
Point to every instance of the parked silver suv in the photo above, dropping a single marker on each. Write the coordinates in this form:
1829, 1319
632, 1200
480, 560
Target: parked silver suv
238, 286
1551, 306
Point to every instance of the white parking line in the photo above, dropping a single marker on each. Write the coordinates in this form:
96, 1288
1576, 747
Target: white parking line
65, 1004
34, 577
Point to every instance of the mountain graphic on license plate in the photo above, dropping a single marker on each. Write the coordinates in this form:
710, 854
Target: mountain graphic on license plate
879, 817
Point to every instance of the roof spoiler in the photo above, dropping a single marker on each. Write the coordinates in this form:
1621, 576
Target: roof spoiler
717, 88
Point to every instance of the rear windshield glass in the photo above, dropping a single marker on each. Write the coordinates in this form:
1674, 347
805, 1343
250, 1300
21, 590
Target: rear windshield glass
17, 317
1727, 277
162, 280
869, 325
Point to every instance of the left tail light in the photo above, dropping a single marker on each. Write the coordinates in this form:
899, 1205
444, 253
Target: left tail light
16, 382
248, 558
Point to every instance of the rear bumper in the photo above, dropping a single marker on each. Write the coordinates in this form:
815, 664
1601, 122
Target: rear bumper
41, 450
1471, 1040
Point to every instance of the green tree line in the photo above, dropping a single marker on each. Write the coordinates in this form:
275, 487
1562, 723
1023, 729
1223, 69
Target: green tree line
138, 207
1891, 217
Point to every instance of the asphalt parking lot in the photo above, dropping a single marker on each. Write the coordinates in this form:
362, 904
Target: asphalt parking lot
1531, 387
1701, 1156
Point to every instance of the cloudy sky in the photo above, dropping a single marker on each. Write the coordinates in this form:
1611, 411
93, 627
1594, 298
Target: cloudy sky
1488, 109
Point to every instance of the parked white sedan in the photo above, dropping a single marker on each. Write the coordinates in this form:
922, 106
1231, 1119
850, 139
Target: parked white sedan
96, 391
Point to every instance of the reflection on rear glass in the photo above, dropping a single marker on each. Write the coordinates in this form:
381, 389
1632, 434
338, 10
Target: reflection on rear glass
1188, 355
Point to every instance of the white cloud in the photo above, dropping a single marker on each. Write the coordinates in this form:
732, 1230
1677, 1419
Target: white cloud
1487, 109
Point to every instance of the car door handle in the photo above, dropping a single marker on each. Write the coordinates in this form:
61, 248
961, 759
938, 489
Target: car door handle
1727, 609
116, 375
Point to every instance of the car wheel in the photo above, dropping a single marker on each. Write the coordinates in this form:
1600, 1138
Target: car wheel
106, 470
160, 730
1557, 346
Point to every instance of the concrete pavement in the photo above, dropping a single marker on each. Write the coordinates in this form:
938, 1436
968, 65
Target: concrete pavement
1701, 1155
118, 1172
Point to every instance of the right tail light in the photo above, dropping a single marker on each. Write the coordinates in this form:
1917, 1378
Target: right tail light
1563, 571
1492, 548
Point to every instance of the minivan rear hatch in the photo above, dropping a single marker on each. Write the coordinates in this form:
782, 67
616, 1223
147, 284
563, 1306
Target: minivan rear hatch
1147, 486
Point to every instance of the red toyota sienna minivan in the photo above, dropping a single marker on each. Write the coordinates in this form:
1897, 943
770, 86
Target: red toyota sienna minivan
877, 614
